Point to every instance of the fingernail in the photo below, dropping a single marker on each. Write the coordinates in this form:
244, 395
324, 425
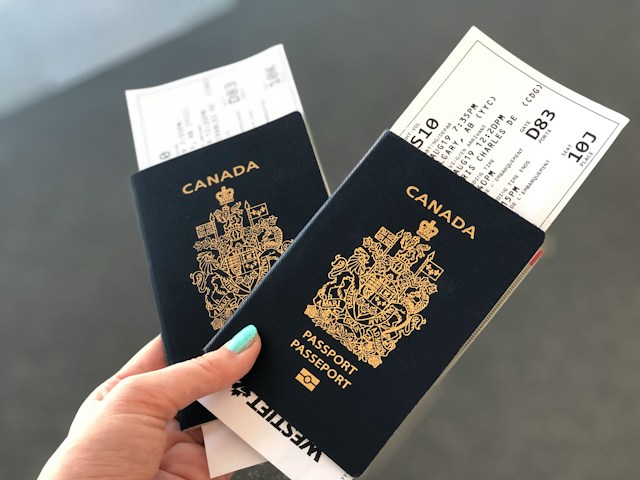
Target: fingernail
242, 339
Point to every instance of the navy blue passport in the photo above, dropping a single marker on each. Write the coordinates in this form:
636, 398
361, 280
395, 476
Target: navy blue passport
215, 220
379, 293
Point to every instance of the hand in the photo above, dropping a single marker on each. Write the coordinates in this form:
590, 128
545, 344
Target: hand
126, 428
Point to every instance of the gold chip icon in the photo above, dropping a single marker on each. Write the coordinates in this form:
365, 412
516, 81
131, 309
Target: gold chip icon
308, 379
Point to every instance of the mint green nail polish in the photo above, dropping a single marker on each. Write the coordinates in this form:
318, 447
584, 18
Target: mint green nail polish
242, 339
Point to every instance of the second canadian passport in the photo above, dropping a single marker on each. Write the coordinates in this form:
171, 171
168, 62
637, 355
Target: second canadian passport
214, 221
376, 297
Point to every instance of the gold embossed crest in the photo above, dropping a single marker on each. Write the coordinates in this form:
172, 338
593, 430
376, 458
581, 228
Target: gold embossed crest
376, 296
236, 248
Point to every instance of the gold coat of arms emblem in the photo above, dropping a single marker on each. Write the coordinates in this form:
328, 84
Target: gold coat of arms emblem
376, 296
235, 249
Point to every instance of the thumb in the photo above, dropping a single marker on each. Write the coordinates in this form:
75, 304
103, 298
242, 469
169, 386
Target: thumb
161, 393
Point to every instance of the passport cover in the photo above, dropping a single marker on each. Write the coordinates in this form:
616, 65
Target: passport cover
215, 220
378, 294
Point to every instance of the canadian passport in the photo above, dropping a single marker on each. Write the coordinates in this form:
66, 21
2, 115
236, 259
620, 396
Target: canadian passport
215, 220
378, 294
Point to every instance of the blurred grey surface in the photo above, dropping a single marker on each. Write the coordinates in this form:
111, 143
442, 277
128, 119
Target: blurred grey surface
51, 46
550, 390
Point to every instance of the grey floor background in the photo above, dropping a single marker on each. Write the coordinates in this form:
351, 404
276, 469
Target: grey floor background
50, 46
550, 390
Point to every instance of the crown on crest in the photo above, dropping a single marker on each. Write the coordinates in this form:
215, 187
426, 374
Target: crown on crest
225, 195
427, 230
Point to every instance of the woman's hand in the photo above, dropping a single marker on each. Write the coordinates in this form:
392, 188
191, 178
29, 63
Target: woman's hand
126, 428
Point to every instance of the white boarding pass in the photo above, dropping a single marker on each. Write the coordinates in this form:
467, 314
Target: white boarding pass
178, 117
514, 133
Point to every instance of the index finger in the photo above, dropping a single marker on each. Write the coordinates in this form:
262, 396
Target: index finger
149, 358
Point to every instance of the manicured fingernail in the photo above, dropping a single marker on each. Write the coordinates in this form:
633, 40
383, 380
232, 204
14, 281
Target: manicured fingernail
242, 339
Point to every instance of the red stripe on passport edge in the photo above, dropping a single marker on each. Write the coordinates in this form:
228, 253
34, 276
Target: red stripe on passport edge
535, 258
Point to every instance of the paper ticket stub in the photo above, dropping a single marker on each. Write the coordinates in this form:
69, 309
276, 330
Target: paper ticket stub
514, 133
264, 429
226, 451
178, 117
